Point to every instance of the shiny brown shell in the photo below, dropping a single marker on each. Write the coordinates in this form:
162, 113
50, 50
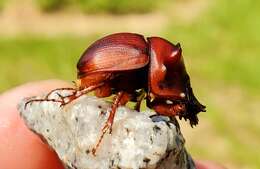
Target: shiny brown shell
117, 52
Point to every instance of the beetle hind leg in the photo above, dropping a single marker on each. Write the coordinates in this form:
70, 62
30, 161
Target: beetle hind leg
46, 98
55, 90
120, 99
41, 100
64, 100
78, 93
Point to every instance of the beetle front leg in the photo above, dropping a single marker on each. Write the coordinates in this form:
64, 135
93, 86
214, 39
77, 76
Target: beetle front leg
169, 110
166, 109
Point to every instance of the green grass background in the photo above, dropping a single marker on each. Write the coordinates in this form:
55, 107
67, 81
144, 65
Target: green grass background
221, 51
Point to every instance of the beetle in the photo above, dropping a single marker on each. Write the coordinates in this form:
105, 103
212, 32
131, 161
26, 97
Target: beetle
133, 69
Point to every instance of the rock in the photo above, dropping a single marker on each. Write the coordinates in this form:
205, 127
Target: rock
138, 140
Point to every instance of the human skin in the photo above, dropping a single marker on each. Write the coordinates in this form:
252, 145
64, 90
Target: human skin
22, 149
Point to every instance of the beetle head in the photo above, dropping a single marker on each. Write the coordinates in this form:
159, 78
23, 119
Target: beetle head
169, 79
176, 67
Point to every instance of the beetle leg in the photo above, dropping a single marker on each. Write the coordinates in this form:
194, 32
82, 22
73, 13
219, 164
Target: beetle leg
41, 100
120, 99
46, 98
65, 99
162, 108
169, 110
54, 90
76, 94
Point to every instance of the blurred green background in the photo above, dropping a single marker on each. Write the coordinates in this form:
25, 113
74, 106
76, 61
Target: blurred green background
43, 39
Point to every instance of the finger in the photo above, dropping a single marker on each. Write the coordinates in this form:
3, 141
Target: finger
30, 89
207, 165
20, 148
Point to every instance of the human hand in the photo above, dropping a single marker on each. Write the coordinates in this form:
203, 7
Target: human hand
22, 149
19, 147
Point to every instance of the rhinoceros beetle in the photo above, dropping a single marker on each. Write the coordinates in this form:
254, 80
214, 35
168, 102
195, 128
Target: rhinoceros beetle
134, 68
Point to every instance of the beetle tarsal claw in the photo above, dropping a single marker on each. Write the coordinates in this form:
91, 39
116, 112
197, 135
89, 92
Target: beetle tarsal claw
41, 100
59, 89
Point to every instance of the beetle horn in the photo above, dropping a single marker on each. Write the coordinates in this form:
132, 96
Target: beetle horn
176, 52
178, 45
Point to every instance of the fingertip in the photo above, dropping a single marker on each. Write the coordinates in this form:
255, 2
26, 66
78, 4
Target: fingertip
21, 148
208, 165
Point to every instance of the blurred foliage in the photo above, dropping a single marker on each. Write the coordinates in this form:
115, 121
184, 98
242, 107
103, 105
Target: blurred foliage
226, 41
101, 6
2, 4
221, 50
51, 5
45, 59
118, 6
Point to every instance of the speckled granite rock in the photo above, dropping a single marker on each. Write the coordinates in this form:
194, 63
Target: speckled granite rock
138, 140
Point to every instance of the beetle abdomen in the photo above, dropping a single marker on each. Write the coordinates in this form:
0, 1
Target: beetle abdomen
117, 52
